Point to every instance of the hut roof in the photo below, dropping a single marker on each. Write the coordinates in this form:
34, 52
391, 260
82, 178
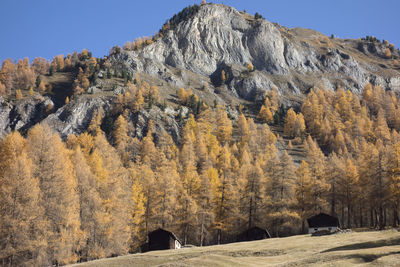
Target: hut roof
253, 233
160, 230
323, 220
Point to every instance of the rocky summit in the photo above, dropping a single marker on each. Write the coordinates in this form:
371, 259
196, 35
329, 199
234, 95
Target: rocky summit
291, 60
192, 52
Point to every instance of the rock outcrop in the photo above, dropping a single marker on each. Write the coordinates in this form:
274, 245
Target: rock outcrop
23, 114
75, 117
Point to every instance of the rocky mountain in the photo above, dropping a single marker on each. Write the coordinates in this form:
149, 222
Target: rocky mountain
195, 47
293, 60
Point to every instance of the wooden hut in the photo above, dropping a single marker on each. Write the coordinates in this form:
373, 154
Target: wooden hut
322, 223
162, 239
253, 233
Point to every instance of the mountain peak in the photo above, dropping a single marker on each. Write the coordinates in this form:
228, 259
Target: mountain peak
207, 39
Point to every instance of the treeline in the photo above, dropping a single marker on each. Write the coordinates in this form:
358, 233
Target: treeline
94, 196
24, 79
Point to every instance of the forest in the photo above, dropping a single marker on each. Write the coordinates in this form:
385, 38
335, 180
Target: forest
99, 193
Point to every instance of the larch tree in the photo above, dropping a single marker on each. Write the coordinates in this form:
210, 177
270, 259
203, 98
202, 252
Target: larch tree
282, 197
224, 126
2, 89
121, 138
190, 180
114, 190
290, 121
252, 190
304, 191
348, 185
206, 207
139, 100
265, 114
299, 125
144, 182
138, 221
226, 196
316, 162
243, 130
395, 184
22, 224
183, 96
167, 191
89, 206
7, 74
58, 62
334, 172
58, 187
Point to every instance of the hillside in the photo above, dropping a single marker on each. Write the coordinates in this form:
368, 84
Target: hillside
347, 249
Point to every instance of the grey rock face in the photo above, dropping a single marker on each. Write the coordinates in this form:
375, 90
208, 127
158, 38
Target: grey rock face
75, 117
253, 86
220, 35
163, 122
23, 114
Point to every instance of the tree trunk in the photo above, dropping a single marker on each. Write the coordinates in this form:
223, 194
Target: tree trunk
202, 230
348, 216
395, 216
333, 200
251, 206
384, 218
380, 217
221, 211
371, 218
342, 219
186, 233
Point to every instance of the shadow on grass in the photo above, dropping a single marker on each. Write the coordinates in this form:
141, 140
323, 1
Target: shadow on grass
365, 245
371, 257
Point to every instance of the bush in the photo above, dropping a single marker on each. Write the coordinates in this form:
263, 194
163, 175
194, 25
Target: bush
257, 16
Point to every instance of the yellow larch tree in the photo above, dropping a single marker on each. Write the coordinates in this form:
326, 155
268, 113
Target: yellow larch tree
138, 231
316, 162
290, 121
22, 224
395, 184
265, 114
283, 216
58, 186
114, 190
190, 181
226, 195
304, 191
251, 183
89, 206
348, 186
121, 138
224, 126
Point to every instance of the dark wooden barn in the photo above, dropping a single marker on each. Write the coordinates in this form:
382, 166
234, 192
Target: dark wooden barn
162, 239
322, 222
254, 233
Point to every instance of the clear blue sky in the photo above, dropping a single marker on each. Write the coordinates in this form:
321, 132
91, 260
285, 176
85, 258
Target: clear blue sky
33, 28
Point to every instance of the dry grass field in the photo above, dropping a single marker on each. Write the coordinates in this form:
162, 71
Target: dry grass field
345, 249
